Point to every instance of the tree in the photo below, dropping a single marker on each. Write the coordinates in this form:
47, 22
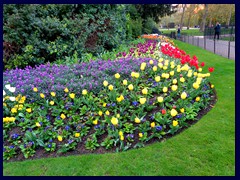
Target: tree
183, 11
202, 28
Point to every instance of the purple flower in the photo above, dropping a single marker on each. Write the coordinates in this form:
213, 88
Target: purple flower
158, 128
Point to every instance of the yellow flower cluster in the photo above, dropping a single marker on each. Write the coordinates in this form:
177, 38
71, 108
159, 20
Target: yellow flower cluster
9, 119
135, 74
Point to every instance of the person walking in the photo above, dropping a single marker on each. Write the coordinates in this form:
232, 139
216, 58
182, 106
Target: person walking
178, 32
217, 30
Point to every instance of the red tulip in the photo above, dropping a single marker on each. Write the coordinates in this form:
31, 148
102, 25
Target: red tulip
202, 64
211, 69
163, 111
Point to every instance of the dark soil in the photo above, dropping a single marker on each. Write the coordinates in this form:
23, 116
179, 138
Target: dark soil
80, 149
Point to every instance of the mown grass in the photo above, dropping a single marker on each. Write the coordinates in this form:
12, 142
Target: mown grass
205, 149
190, 32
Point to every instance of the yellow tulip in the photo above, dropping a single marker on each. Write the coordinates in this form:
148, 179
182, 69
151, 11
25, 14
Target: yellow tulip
29, 110
114, 121
51, 103
133, 74
105, 83
120, 133
125, 82
66, 90
173, 112
77, 135
130, 87
117, 75
53, 94
212, 86
145, 91
110, 87
184, 95
63, 116
195, 85
160, 60
137, 120
142, 100
153, 124
174, 87
95, 122
84, 92
151, 62
199, 69
182, 79
60, 138
118, 115
171, 73
175, 123
197, 99
140, 135
174, 81
38, 124
160, 65
157, 78
154, 68
136, 75
100, 113
42, 95
160, 99
165, 89
72, 95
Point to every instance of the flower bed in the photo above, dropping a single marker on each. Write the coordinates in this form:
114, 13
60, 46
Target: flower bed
144, 100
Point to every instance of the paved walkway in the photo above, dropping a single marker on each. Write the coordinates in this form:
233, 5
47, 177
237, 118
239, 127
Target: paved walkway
223, 48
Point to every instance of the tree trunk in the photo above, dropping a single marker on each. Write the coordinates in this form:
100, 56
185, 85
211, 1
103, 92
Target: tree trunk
189, 18
210, 23
202, 28
184, 6
229, 18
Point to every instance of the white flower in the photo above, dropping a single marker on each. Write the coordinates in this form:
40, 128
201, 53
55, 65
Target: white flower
12, 89
7, 86
4, 93
12, 98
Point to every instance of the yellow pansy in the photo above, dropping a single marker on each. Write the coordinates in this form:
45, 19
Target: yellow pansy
35, 89
118, 115
38, 124
120, 133
77, 135
104, 104
143, 66
151, 62
212, 86
140, 135
14, 110
182, 110
160, 65
121, 138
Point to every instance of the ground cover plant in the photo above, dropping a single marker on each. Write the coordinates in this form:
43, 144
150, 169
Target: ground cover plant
158, 99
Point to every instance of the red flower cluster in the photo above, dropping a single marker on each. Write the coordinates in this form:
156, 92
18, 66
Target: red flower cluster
184, 58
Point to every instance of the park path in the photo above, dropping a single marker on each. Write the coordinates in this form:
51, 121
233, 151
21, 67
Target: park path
223, 48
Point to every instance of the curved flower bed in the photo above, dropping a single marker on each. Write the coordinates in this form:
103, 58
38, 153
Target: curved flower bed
150, 100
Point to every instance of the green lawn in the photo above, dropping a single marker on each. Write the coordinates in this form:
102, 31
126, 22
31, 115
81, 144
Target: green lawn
205, 149
190, 32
